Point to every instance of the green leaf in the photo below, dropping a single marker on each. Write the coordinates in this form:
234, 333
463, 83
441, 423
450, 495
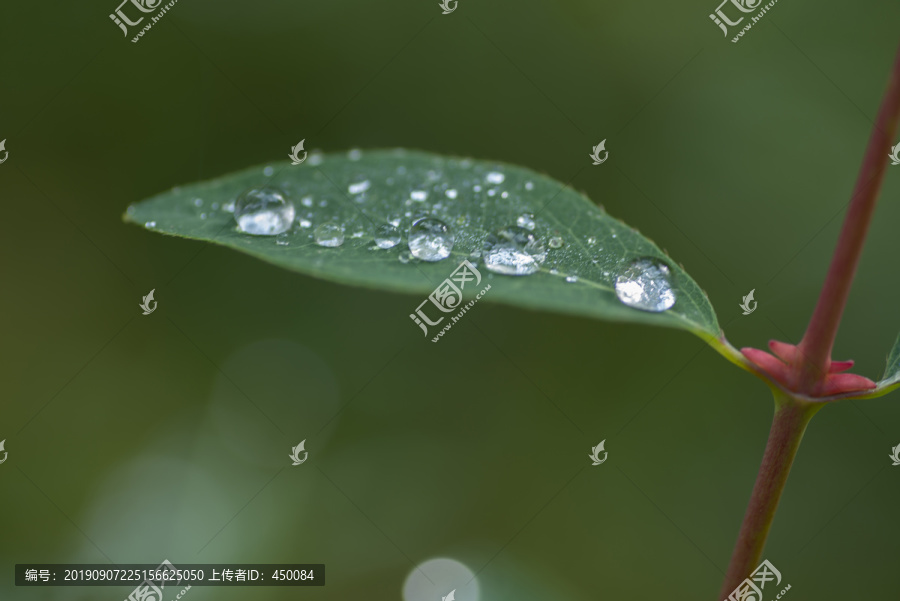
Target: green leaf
595, 247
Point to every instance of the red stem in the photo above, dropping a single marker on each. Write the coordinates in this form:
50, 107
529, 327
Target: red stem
818, 341
788, 426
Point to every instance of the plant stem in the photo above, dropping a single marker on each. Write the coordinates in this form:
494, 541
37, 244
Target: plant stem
788, 426
818, 340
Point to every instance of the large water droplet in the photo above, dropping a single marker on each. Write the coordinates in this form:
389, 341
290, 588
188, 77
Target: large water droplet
430, 239
263, 212
526, 220
514, 251
329, 234
387, 236
646, 284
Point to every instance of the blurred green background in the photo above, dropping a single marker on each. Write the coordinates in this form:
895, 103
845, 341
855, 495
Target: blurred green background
140, 438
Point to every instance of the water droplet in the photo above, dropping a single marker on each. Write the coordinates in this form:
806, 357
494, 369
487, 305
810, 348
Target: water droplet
268, 171
646, 284
215, 206
404, 257
591, 241
571, 278
198, 202
358, 234
150, 224
529, 185
307, 201
330, 235
282, 239
228, 207
504, 194
387, 236
418, 195
476, 188
202, 215
495, 177
526, 220
513, 251
556, 242
304, 223
554, 272
263, 212
451, 193
358, 187
315, 157
354, 154
430, 239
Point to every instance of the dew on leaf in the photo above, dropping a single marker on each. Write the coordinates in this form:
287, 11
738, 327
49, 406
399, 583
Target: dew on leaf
646, 284
263, 212
430, 239
513, 251
330, 235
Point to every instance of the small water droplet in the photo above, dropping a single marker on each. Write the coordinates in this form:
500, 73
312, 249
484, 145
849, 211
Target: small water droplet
358, 234
451, 193
556, 242
307, 201
492, 192
513, 251
571, 278
198, 202
591, 241
268, 171
358, 187
554, 272
354, 154
263, 212
228, 207
387, 236
282, 239
315, 158
526, 220
202, 215
304, 223
418, 195
150, 224
215, 206
330, 235
404, 257
529, 185
504, 194
646, 284
476, 188
495, 177
430, 239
